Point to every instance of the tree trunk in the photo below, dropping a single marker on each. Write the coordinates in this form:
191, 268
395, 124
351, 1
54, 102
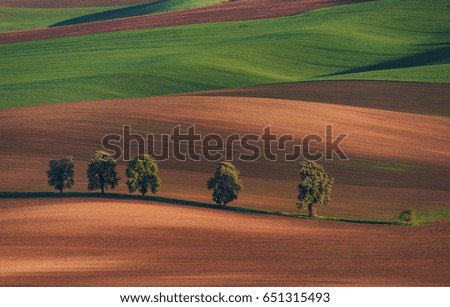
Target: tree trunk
312, 211
103, 189
143, 194
61, 190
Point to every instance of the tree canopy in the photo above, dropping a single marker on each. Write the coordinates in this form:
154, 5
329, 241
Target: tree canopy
102, 172
142, 173
314, 188
408, 216
225, 184
61, 174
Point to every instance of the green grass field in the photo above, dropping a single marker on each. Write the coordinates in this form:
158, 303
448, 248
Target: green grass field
18, 19
433, 214
382, 40
154, 7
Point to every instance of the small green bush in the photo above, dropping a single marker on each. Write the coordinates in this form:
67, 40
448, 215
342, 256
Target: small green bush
408, 216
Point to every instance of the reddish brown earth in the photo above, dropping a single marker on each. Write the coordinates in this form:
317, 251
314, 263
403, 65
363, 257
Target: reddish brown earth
365, 187
420, 98
230, 11
91, 242
65, 3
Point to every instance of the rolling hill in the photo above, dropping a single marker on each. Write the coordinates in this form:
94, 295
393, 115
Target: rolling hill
397, 160
19, 19
65, 4
154, 7
227, 11
360, 41
378, 71
92, 242
410, 97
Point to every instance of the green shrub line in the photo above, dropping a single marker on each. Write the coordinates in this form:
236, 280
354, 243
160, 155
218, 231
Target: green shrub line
176, 201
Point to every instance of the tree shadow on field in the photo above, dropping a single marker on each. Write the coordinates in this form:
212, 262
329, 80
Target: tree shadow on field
176, 201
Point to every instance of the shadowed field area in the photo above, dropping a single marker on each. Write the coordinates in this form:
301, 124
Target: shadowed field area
65, 3
228, 11
20, 19
397, 160
92, 242
420, 98
154, 7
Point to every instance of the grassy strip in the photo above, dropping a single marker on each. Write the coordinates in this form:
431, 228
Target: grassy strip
433, 214
22, 195
381, 40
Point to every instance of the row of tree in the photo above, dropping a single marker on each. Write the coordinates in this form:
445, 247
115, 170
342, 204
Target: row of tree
142, 173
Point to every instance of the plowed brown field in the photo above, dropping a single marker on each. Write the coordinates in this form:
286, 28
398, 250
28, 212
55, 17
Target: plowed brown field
420, 98
91, 242
366, 187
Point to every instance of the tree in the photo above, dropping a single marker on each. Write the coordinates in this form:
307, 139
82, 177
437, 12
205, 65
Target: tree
314, 188
225, 184
61, 174
102, 172
142, 173
408, 216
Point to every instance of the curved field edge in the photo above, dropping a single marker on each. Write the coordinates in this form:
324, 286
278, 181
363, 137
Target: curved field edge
397, 160
65, 3
154, 7
410, 97
19, 19
324, 44
160, 244
425, 216
227, 11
